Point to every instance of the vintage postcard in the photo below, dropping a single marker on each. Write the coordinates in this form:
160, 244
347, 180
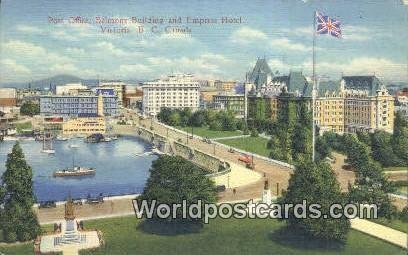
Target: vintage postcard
203, 127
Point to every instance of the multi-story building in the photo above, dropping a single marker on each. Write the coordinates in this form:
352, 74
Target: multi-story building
329, 111
28, 95
133, 97
79, 105
231, 102
225, 85
368, 105
401, 102
356, 103
88, 126
8, 99
206, 96
118, 86
175, 91
69, 89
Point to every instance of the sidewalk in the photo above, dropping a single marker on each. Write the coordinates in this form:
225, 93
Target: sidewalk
381, 232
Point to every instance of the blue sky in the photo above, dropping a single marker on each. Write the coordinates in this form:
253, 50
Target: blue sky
375, 37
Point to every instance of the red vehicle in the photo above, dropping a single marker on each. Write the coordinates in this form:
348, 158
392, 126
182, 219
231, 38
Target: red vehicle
245, 159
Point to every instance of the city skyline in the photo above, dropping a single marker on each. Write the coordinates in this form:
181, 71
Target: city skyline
33, 47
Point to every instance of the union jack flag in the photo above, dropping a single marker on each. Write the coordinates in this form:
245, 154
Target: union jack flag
327, 25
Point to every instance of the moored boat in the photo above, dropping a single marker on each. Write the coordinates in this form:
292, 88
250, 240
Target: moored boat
76, 171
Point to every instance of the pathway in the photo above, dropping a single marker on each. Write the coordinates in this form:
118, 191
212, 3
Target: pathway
382, 232
229, 137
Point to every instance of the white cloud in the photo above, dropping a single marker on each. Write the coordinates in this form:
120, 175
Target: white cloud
247, 35
11, 71
206, 65
63, 68
32, 52
356, 33
63, 35
75, 51
381, 67
134, 70
111, 48
278, 65
286, 44
28, 29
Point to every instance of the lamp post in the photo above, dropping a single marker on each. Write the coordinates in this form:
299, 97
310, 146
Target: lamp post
192, 132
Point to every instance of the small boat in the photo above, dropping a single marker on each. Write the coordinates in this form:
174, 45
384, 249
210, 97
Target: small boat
95, 138
157, 152
147, 153
73, 146
75, 171
107, 139
48, 151
61, 138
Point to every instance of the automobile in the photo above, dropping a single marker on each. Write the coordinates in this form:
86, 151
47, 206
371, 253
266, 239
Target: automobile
77, 201
245, 159
47, 204
220, 188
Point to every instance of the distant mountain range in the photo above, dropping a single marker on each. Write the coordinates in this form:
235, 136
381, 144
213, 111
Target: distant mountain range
57, 80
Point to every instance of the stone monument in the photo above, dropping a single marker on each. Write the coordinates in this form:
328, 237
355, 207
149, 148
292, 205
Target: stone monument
266, 194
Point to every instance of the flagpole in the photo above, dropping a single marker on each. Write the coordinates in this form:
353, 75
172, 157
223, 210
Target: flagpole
314, 88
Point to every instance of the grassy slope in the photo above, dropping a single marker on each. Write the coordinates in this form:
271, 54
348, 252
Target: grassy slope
231, 236
394, 223
205, 132
256, 145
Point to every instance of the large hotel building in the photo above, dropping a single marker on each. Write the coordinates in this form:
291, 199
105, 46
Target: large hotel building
175, 91
355, 103
78, 105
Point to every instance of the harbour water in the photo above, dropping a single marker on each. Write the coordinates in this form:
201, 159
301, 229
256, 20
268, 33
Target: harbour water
119, 170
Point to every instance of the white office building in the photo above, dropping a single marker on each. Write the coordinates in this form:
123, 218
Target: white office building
69, 89
175, 91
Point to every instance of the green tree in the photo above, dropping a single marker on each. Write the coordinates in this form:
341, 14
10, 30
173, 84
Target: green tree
198, 119
316, 183
17, 220
323, 149
30, 108
382, 149
399, 138
164, 115
274, 145
174, 179
174, 119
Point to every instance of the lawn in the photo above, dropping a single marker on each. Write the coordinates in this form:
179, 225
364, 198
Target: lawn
396, 168
17, 249
205, 132
255, 145
394, 223
127, 235
402, 189
232, 236
22, 126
